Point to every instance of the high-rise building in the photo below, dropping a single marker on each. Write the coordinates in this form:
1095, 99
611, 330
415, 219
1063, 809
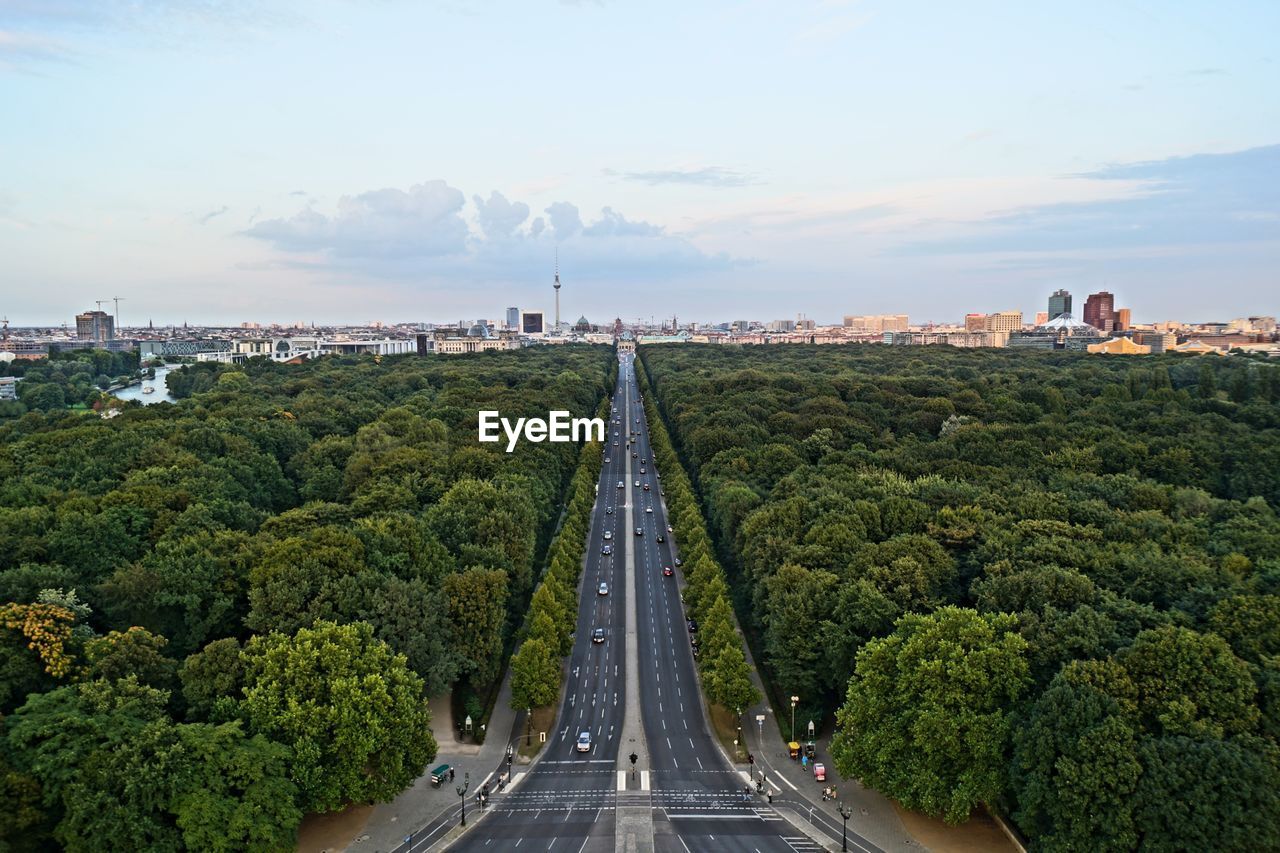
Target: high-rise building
531, 323
95, 326
1059, 304
975, 322
876, 323
1123, 319
513, 318
1100, 311
1042, 317
1004, 321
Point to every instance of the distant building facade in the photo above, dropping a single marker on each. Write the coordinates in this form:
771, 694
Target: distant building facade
532, 323
1004, 321
1100, 311
95, 326
1059, 304
513, 318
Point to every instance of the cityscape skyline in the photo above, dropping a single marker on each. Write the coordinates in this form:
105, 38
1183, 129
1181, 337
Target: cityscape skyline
224, 163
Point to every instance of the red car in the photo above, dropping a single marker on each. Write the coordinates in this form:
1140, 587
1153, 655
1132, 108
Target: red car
667, 571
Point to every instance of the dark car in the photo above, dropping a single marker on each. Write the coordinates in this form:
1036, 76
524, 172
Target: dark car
677, 562
597, 636
607, 550
646, 487
639, 531
661, 538
608, 510
693, 626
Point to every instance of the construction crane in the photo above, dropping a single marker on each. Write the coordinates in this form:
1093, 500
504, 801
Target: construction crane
101, 302
4, 323
117, 300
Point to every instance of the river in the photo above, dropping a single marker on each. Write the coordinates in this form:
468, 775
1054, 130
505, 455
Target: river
160, 395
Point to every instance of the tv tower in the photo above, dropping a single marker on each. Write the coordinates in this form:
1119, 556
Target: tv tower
557, 287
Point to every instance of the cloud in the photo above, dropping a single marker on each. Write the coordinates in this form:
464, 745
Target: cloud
426, 221
1204, 199
19, 49
1207, 72
710, 176
420, 235
204, 220
499, 217
564, 219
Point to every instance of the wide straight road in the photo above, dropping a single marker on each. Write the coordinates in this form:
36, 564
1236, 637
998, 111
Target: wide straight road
567, 802
699, 802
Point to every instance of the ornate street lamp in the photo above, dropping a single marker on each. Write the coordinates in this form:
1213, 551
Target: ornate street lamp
846, 813
462, 794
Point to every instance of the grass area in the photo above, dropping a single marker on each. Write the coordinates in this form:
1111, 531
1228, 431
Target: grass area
725, 726
544, 720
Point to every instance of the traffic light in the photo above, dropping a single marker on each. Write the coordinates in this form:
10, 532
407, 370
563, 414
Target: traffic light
751, 759
508, 756
634, 758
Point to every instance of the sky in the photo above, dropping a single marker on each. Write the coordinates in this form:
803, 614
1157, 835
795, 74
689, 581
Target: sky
348, 161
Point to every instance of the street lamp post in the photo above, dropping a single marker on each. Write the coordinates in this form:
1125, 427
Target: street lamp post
846, 813
795, 700
462, 794
528, 729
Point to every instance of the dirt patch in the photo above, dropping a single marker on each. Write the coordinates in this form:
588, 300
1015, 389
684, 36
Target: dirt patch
334, 830
979, 834
544, 720
725, 726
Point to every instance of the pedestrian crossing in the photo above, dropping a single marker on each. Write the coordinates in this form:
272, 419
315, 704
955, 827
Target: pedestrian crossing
674, 803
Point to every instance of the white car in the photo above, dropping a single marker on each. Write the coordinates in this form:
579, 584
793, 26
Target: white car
584, 742
608, 534
648, 509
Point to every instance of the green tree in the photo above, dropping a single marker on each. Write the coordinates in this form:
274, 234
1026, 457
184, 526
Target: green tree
927, 715
351, 711
535, 674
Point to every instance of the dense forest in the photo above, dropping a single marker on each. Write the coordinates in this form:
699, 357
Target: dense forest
221, 614
1049, 583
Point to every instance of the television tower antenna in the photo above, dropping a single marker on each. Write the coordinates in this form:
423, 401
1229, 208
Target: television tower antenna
557, 287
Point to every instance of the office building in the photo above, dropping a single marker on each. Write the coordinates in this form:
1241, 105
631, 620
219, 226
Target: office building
1123, 320
532, 323
876, 323
975, 322
1004, 321
513, 318
1100, 311
1059, 304
95, 326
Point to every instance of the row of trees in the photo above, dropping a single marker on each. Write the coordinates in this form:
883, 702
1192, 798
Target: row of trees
726, 677
303, 552
536, 672
1017, 575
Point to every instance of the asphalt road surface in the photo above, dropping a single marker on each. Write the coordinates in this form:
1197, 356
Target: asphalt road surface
570, 800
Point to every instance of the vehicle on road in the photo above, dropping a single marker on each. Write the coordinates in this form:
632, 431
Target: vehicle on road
603, 589
607, 550
693, 626
584, 742
667, 571
670, 529
607, 460
439, 775
620, 484
646, 487
677, 562
648, 509
661, 538
644, 461
615, 444
634, 454
597, 636
642, 471
819, 772
639, 531
608, 510
608, 534
637, 482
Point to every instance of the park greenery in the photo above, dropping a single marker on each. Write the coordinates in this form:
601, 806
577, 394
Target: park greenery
219, 615
74, 378
1044, 582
